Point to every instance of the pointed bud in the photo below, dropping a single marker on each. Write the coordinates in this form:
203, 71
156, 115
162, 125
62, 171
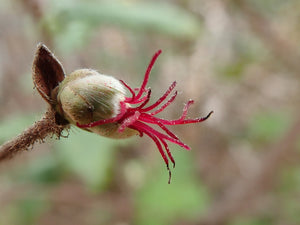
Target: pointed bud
47, 72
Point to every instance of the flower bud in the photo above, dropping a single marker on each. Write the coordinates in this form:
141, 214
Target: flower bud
86, 96
97, 103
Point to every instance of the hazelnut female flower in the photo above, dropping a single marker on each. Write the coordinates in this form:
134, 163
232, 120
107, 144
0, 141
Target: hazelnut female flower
97, 103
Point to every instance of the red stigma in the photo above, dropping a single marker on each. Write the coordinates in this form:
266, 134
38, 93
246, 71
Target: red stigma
137, 116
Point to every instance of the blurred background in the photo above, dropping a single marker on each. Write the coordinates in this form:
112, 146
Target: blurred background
239, 58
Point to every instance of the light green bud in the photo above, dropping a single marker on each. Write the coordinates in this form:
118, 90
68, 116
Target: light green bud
85, 96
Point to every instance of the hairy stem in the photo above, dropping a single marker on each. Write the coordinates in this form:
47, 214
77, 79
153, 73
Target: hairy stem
46, 126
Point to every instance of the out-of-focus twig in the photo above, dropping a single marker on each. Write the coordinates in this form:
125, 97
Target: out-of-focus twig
36, 9
245, 192
275, 41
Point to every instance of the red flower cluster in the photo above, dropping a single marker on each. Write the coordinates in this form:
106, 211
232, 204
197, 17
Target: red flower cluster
136, 115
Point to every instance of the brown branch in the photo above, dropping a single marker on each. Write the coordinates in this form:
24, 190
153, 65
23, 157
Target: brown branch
47, 74
41, 129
